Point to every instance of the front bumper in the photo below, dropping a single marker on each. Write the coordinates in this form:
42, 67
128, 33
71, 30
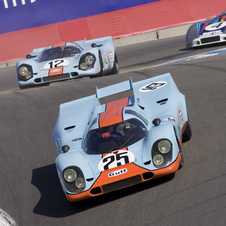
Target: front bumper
44, 78
202, 41
134, 175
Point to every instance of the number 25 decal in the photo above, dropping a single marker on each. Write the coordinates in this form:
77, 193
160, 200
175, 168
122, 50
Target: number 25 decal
56, 63
112, 160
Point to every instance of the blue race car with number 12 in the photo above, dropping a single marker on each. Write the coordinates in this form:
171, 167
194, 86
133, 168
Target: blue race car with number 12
68, 60
105, 147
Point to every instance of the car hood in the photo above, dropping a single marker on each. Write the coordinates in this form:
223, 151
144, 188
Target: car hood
215, 27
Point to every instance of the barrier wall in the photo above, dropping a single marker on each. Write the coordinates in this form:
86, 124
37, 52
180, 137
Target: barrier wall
28, 24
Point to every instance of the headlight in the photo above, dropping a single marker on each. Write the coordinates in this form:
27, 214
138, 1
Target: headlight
162, 153
25, 72
80, 183
70, 175
87, 61
164, 146
158, 160
74, 179
83, 66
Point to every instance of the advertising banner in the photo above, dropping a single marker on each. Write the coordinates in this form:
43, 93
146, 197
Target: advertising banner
24, 14
29, 24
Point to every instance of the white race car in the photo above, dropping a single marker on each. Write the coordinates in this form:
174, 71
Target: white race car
207, 32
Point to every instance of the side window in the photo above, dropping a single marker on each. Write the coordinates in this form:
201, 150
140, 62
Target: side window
137, 115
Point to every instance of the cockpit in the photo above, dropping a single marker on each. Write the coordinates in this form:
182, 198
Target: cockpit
59, 52
114, 137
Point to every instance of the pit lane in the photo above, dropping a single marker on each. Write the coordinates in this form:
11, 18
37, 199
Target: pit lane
30, 190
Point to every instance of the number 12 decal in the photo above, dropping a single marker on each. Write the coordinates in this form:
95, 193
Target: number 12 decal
112, 160
56, 63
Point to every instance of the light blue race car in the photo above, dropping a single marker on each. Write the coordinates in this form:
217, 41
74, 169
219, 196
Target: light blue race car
105, 147
68, 60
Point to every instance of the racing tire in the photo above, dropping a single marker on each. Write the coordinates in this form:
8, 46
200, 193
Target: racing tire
115, 69
181, 162
101, 73
187, 133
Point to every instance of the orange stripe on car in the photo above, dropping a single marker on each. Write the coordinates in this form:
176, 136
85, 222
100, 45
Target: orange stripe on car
115, 152
113, 113
61, 44
55, 71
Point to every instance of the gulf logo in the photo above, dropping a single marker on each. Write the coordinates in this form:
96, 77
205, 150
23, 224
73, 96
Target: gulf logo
117, 172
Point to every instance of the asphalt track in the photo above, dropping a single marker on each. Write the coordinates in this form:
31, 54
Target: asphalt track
29, 188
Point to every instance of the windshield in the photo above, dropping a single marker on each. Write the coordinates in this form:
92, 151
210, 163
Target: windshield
114, 137
59, 52
222, 14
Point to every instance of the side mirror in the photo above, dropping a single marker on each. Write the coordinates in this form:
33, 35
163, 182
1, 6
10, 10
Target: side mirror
93, 45
30, 56
156, 121
65, 148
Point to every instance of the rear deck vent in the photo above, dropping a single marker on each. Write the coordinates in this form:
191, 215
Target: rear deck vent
141, 107
163, 101
69, 127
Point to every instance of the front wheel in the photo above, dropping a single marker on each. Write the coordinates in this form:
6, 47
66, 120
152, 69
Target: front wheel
115, 69
181, 162
101, 73
187, 133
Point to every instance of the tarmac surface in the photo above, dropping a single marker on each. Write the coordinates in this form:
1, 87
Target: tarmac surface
195, 195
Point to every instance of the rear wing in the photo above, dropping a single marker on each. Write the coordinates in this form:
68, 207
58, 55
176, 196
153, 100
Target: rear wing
114, 89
